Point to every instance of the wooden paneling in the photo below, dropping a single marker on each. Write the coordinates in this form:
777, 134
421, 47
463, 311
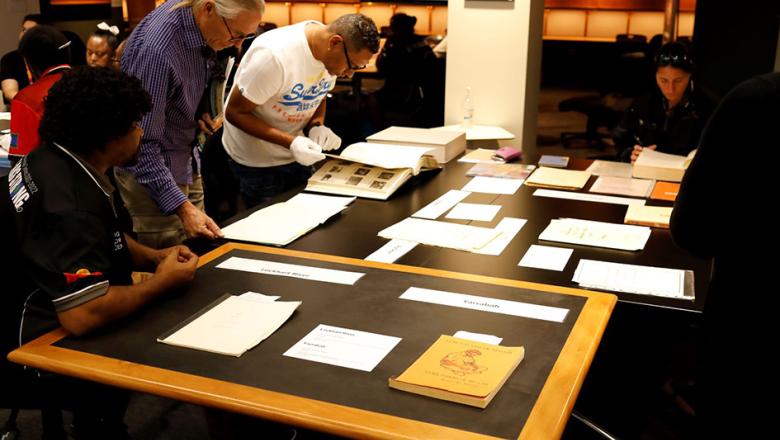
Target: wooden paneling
628, 5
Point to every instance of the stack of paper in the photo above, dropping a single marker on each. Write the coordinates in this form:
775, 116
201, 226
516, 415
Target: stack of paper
282, 223
632, 278
443, 234
598, 234
624, 186
232, 325
558, 178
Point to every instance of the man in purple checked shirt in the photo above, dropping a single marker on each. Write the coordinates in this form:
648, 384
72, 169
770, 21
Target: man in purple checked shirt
171, 51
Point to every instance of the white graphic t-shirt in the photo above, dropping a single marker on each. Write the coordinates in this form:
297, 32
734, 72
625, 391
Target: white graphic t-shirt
280, 75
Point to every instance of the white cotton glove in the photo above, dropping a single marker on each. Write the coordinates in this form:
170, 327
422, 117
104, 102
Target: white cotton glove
305, 151
325, 137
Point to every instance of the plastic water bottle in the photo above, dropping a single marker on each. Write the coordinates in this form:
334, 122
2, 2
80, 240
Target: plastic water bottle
468, 110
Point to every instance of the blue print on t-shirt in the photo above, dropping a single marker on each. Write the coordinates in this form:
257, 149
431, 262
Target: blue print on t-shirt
301, 99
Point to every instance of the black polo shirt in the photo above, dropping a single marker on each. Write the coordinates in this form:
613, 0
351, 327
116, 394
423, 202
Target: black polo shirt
67, 244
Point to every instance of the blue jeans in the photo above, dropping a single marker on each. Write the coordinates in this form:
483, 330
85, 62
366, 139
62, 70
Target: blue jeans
258, 185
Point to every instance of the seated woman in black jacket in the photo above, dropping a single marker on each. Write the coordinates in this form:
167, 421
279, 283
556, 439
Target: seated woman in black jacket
669, 119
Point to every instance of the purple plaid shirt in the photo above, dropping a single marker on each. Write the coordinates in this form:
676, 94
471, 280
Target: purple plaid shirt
165, 52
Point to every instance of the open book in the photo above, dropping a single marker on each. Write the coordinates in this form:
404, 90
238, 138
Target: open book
373, 171
661, 166
460, 370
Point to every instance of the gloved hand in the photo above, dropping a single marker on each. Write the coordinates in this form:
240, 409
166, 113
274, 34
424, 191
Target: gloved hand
325, 137
305, 151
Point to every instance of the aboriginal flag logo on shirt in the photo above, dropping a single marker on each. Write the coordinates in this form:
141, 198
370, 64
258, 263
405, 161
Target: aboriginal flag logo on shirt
71, 278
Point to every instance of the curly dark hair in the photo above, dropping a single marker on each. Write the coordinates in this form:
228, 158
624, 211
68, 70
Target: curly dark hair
90, 106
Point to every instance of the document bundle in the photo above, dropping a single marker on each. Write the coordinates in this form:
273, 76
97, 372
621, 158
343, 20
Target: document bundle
231, 325
281, 223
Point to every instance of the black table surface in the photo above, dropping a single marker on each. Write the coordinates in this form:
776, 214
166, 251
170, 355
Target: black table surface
353, 233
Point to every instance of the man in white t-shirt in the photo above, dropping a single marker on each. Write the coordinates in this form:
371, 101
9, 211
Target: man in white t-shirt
274, 117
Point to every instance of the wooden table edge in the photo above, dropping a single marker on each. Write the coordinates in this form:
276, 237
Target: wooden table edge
559, 391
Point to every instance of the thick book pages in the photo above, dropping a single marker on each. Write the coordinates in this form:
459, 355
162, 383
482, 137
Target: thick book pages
281, 223
558, 178
460, 370
446, 145
372, 171
231, 325
665, 191
656, 216
652, 164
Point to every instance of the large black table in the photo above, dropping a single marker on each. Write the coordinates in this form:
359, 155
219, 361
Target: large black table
354, 234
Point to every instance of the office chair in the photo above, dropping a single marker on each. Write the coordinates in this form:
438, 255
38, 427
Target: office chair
628, 78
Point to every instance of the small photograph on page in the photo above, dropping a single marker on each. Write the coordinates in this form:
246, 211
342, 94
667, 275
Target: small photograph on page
376, 184
354, 180
362, 171
335, 169
386, 176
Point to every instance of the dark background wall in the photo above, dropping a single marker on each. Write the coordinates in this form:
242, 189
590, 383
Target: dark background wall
734, 41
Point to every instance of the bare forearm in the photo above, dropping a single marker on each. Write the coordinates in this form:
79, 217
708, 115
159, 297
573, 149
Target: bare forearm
117, 303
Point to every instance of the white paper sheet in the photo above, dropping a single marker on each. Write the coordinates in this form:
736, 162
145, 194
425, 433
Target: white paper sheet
320, 200
610, 168
391, 251
233, 326
255, 296
508, 227
479, 337
546, 257
492, 305
443, 234
598, 234
568, 195
291, 270
474, 211
493, 185
441, 205
480, 155
631, 278
343, 347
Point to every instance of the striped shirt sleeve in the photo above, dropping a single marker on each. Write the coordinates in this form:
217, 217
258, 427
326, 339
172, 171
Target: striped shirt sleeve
151, 171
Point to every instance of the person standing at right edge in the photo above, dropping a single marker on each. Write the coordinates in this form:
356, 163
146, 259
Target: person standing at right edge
170, 51
721, 212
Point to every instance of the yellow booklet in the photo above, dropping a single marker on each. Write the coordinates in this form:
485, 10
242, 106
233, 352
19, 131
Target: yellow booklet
656, 216
460, 370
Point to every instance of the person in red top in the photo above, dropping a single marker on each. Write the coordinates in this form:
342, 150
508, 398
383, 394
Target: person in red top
46, 53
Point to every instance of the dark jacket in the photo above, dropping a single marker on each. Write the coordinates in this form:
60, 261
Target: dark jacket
646, 123
722, 212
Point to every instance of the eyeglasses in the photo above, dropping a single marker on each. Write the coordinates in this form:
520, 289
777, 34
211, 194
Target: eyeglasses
350, 66
682, 61
236, 39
